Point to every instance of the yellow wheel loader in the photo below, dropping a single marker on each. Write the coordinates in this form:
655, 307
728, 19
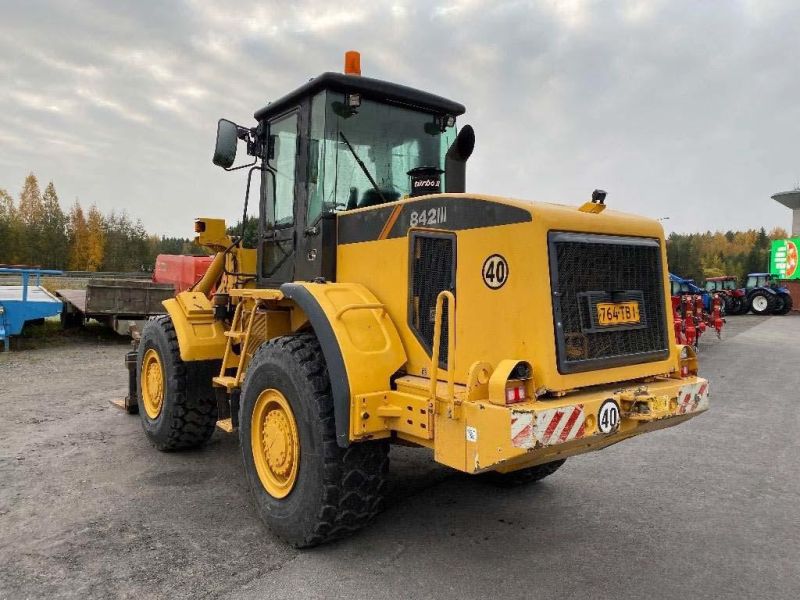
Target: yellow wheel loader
384, 304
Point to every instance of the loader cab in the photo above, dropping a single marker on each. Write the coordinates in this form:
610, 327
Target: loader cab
341, 143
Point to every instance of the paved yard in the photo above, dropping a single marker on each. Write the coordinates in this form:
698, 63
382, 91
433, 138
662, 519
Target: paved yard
710, 509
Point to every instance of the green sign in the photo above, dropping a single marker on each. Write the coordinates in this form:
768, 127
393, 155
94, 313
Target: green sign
783, 259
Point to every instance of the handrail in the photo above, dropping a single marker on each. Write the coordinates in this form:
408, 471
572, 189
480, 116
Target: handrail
451, 344
25, 273
349, 307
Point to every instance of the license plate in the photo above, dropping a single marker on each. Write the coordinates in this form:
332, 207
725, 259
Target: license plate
617, 313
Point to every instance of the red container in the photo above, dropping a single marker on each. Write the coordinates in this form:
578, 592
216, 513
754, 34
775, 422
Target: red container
181, 271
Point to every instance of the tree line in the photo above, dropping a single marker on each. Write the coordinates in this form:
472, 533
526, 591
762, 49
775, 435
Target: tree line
701, 255
36, 231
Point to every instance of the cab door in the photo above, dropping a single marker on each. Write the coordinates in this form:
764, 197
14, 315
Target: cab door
277, 220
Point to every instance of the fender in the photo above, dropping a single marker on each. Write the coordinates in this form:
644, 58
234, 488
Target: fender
765, 290
359, 341
200, 337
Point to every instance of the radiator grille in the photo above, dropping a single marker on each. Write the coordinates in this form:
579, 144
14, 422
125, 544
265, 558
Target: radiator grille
432, 271
586, 269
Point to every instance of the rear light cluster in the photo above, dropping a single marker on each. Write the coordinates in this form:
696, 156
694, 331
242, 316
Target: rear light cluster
688, 361
515, 392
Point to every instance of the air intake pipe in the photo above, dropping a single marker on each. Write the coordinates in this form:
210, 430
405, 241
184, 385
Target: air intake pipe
455, 161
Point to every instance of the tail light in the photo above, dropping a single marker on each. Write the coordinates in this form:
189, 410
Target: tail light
687, 360
515, 392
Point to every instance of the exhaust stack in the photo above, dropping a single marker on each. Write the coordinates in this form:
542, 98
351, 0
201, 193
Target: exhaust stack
455, 161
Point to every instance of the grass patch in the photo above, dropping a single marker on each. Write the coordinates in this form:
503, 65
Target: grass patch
50, 333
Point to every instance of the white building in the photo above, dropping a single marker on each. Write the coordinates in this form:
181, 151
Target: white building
791, 200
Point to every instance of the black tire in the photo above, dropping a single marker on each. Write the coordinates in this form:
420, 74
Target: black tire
745, 305
337, 490
784, 305
189, 408
523, 476
733, 305
71, 319
759, 306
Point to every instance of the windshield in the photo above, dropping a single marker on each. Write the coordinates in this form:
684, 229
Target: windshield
389, 140
730, 284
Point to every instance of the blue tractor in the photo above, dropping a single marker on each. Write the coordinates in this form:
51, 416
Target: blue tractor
682, 286
766, 296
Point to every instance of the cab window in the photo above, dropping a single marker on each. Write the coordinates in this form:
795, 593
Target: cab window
283, 159
389, 140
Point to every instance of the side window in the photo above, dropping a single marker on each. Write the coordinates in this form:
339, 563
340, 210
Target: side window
317, 147
280, 198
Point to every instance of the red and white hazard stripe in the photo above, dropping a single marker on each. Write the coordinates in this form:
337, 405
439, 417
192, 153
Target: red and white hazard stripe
559, 425
522, 429
547, 427
693, 397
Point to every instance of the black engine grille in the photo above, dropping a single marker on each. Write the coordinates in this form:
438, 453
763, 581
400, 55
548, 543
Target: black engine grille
586, 269
432, 270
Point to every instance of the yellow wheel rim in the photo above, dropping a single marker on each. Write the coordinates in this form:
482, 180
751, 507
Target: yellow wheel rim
275, 443
152, 383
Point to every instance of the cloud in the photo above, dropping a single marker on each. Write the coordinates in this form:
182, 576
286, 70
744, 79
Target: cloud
678, 108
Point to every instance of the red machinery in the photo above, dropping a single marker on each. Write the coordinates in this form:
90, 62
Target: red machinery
182, 271
690, 319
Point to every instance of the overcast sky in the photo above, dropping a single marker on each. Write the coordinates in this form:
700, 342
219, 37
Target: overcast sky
679, 109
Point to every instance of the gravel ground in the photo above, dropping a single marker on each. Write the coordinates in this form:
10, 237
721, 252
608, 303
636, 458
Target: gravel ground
710, 509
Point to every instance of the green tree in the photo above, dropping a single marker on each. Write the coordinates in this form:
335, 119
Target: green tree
757, 260
8, 229
250, 231
55, 242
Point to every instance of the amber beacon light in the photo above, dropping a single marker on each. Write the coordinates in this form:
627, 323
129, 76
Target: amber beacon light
352, 63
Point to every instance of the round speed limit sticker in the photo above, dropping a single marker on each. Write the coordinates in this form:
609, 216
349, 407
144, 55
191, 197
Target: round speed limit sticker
495, 271
608, 417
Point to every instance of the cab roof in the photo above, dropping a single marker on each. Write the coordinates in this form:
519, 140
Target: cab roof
374, 89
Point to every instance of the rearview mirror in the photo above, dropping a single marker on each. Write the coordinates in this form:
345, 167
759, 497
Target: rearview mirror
227, 138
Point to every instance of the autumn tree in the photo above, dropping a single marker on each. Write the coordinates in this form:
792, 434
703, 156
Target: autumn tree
97, 239
31, 215
78, 238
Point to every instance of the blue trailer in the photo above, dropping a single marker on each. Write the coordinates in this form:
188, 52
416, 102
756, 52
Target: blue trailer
26, 302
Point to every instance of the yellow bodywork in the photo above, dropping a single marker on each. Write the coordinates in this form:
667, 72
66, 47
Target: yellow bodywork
398, 390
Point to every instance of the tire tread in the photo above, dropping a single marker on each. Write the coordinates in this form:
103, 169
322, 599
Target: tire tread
354, 478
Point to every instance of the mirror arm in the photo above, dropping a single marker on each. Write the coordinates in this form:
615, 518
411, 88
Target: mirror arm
254, 147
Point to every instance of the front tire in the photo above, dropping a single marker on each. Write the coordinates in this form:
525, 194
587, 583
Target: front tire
175, 398
306, 488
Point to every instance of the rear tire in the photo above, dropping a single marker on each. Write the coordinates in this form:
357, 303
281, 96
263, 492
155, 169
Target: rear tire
762, 303
733, 305
181, 409
332, 491
784, 304
523, 476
